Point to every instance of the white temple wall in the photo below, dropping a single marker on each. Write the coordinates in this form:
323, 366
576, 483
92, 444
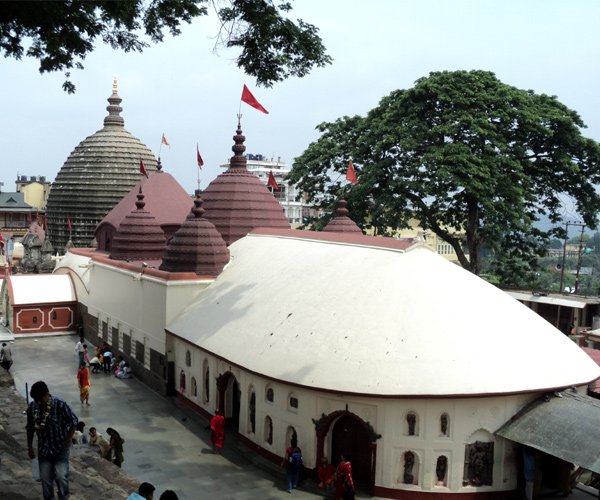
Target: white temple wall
468, 420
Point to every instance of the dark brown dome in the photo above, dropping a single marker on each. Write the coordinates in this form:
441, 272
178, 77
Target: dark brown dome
139, 236
97, 174
342, 223
237, 201
196, 246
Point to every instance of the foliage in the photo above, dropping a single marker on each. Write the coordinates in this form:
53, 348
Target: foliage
61, 34
474, 160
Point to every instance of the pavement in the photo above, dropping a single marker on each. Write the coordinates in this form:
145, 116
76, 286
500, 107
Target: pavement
165, 445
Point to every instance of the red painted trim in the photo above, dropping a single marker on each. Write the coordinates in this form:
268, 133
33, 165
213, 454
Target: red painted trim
376, 396
380, 491
136, 266
269, 455
333, 237
182, 400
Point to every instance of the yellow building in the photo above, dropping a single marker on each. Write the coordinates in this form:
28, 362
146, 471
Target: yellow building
35, 189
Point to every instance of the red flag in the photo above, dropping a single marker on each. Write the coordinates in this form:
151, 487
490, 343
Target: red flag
29, 218
272, 183
351, 174
45, 223
199, 158
1, 240
37, 216
143, 169
249, 99
69, 224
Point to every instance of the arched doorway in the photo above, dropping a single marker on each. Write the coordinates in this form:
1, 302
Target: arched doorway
229, 400
350, 437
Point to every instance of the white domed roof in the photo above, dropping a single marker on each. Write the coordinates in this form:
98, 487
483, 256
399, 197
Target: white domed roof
377, 321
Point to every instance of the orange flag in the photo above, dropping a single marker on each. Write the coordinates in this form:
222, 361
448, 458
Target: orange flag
164, 140
249, 99
143, 169
272, 183
351, 174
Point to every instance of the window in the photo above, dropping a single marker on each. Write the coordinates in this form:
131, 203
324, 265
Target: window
252, 411
445, 425
441, 471
206, 386
479, 464
293, 402
411, 468
182, 381
188, 358
34, 320
194, 387
54, 315
412, 424
290, 435
268, 430
270, 395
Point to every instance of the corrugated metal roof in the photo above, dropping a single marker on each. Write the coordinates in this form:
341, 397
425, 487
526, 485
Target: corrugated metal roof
557, 300
565, 427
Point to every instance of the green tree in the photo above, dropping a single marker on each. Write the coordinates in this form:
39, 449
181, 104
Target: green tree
474, 160
61, 33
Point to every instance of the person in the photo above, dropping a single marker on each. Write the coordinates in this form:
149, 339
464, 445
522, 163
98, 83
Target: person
217, 431
83, 379
95, 364
80, 351
144, 492
54, 424
344, 483
79, 436
96, 440
116, 446
5, 357
86, 355
169, 495
292, 461
106, 358
124, 371
326, 473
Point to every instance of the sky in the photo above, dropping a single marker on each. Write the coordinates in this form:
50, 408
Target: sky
182, 88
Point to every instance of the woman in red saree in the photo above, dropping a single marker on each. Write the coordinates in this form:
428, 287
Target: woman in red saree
217, 431
83, 379
344, 484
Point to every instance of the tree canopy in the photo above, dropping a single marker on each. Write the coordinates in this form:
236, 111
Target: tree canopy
472, 159
61, 34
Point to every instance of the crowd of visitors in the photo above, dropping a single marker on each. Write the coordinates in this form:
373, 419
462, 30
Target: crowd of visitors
58, 429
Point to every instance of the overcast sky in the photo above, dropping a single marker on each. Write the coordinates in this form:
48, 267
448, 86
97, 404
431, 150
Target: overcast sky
182, 88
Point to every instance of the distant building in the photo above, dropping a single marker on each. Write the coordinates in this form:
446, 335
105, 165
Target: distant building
296, 212
35, 189
15, 214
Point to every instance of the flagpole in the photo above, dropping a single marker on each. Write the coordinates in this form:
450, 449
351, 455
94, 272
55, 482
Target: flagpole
198, 177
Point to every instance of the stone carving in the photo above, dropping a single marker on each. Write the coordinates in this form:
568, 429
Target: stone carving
409, 462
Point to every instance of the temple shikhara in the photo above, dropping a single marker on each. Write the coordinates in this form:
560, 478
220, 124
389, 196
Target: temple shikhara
374, 347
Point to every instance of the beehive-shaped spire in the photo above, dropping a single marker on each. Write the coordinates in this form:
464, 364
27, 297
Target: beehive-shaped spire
342, 223
237, 201
139, 236
196, 246
96, 175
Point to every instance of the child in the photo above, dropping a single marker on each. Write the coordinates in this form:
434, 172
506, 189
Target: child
326, 473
